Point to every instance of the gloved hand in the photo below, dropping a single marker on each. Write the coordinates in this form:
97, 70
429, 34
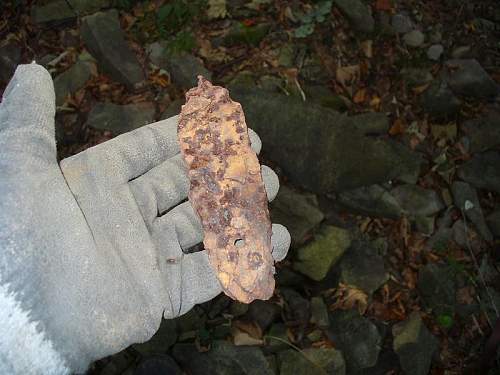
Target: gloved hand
93, 254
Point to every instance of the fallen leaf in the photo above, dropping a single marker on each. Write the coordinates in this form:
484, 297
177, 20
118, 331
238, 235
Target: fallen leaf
384, 5
216, 9
360, 96
367, 47
375, 102
246, 333
398, 127
347, 74
348, 297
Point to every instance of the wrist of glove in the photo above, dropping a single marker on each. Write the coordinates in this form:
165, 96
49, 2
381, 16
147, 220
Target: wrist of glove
94, 248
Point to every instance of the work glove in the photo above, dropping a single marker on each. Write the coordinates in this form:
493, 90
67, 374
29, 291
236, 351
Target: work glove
92, 250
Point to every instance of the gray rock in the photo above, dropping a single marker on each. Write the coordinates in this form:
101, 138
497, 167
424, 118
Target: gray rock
298, 212
417, 201
326, 155
362, 267
157, 365
277, 338
371, 123
357, 338
482, 171
162, 340
157, 53
71, 80
184, 70
270, 83
223, 359
414, 38
435, 52
462, 52
438, 100
120, 118
372, 200
10, 57
317, 257
401, 23
459, 233
297, 309
328, 361
463, 195
425, 224
483, 132
417, 76
61, 11
173, 109
319, 313
105, 40
414, 344
437, 287
467, 77
264, 313
493, 221
358, 14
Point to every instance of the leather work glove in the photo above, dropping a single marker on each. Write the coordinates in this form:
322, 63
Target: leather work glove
91, 251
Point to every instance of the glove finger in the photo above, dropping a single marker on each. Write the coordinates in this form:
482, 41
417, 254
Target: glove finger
27, 116
199, 282
190, 232
134, 153
166, 185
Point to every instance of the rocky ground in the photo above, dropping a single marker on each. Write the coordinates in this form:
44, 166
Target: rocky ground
382, 120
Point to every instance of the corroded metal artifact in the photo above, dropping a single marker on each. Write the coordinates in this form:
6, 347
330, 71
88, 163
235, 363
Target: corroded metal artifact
227, 192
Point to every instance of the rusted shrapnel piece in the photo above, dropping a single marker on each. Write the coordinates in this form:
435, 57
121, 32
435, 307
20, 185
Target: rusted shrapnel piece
227, 192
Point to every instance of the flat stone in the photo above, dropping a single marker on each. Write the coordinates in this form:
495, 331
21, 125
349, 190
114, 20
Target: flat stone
468, 78
329, 154
362, 267
105, 40
120, 118
437, 287
157, 365
372, 200
414, 38
439, 100
298, 212
184, 69
435, 52
10, 57
483, 132
71, 80
417, 201
371, 123
317, 257
357, 337
463, 196
417, 76
319, 313
61, 11
414, 344
162, 340
327, 361
358, 14
482, 171
222, 359
264, 313
401, 23
493, 221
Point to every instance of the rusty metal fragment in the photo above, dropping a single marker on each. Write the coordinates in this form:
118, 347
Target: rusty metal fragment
227, 192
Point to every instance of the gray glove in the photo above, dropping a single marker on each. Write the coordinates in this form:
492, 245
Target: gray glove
94, 254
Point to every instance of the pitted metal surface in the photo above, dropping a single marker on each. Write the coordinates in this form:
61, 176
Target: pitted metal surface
227, 191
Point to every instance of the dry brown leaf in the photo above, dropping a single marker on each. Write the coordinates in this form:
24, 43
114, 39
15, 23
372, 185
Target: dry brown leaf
367, 47
398, 127
347, 74
246, 333
360, 96
216, 9
375, 103
348, 297
384, 5
420, 89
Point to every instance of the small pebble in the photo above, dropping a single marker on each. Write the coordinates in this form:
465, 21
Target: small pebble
435, 52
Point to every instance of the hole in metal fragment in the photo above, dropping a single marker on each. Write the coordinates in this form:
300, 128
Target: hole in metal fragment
239, 242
